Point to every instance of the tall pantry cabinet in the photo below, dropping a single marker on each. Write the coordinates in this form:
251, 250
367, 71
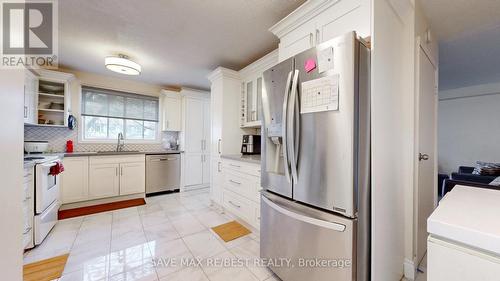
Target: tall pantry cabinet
226, 135
196, 138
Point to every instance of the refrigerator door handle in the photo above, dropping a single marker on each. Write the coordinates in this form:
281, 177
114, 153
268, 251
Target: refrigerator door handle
304, 218
294, 127
285, 129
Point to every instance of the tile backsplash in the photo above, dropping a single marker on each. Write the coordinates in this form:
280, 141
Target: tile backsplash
57, 138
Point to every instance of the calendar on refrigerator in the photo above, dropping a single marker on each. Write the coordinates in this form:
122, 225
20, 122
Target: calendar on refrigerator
320, 94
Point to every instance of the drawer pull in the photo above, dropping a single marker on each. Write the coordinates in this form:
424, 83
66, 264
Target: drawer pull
237, 206
26, 199
235, 182
27, 230
237, 166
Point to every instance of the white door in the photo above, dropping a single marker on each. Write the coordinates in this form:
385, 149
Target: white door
104, 180
206, 169
216, 107
194, 125
427, 164
193, 169
132, 178
206, 127
74, 180
206, 142
172, 116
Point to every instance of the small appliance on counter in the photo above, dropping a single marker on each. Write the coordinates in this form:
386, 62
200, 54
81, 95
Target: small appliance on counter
250, 145
36, 146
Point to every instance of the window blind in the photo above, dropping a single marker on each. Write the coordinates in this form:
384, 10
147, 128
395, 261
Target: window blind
98, 102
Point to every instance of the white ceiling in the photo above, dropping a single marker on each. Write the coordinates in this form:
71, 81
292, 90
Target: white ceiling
451, 18
469, 35
177, 42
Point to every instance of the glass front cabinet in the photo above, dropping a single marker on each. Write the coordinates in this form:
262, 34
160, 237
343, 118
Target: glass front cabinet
251, 104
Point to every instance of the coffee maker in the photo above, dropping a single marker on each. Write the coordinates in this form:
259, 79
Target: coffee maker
250, 144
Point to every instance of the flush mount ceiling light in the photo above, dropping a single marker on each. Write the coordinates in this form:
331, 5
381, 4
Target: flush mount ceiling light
123, 65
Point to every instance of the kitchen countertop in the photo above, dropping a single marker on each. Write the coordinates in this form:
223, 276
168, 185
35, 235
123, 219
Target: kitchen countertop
255, 159
468, 215
110, 153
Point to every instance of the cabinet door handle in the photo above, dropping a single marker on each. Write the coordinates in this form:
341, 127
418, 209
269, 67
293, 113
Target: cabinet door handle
317, 36
201, 144
218, 145
121, 171
168, 124
218, 167
116, 171
235, 182
25, 112
237, 206
26, 199
311, 39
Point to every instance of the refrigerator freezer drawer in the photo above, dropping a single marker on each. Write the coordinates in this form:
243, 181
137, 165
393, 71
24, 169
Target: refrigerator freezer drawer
320, 245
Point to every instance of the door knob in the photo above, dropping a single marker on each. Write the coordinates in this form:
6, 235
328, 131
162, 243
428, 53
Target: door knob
423, 157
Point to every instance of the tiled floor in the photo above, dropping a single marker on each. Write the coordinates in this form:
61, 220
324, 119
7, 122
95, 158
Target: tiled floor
149, 243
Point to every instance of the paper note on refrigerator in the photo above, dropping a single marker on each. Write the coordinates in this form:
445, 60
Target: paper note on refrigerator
320, 94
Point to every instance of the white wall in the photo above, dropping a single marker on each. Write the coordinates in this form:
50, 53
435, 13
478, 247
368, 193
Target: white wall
11, 167
392, 127
469, 129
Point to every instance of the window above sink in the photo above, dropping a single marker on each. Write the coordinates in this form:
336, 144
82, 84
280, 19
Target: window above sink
106, 113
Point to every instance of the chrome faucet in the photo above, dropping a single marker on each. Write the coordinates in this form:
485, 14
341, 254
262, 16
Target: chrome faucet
120, 143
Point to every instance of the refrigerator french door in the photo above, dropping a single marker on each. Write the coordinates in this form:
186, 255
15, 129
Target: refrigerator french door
316, 161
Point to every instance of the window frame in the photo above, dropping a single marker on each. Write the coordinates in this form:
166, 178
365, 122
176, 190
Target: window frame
81, 122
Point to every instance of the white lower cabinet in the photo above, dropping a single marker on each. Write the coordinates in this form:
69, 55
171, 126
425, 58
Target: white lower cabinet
28, 204
75, 180
104, 181
448, 260
194, 168
132, 178
97, 177
238, 185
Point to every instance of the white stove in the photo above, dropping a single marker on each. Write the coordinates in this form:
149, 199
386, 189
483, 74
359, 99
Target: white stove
46, 194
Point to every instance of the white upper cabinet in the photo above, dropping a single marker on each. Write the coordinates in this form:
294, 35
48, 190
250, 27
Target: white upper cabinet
30, 97
225, 92
194, 133
54, 98
171, 111
318, 21
251, 90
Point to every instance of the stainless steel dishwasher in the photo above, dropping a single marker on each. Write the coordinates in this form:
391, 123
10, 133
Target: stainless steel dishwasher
163, 173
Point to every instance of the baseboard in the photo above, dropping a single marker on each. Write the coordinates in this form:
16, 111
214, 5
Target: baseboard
100, 201
410, 270
194, 187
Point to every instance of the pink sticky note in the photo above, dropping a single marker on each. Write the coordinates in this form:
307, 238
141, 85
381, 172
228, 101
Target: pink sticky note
310, 65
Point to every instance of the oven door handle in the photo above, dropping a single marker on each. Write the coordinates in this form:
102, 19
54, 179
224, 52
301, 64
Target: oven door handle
49, 164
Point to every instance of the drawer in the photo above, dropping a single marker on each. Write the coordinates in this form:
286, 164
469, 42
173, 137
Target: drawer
28, 238
28, 173
243, 167
238, 183
238, 205
28, 190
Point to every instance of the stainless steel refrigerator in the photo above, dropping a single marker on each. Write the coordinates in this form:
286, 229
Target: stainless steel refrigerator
315, 207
